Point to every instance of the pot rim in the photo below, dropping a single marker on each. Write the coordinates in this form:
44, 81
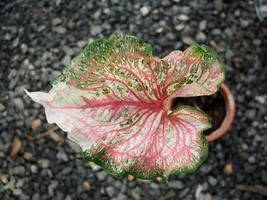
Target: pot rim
229, 117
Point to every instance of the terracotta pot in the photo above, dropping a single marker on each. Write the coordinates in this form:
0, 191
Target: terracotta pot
229, 116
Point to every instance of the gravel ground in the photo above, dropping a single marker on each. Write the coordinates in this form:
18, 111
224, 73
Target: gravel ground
39, 37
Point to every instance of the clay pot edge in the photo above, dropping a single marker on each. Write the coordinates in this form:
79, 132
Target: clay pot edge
229, 117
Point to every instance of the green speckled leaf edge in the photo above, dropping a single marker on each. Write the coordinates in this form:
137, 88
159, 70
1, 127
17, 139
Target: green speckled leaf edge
105, 48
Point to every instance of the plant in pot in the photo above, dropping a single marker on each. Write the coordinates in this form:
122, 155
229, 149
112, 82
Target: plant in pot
124, 107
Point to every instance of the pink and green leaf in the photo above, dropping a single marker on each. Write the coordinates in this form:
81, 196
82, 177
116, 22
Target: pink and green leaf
114, 100
197, 71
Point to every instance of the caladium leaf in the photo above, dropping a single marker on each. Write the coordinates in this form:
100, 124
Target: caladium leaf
114, 100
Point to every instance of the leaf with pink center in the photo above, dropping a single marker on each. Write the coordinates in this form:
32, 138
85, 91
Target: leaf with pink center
114, 101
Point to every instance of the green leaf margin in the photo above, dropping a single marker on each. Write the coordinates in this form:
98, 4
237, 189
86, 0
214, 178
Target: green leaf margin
208, 55
100, 50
